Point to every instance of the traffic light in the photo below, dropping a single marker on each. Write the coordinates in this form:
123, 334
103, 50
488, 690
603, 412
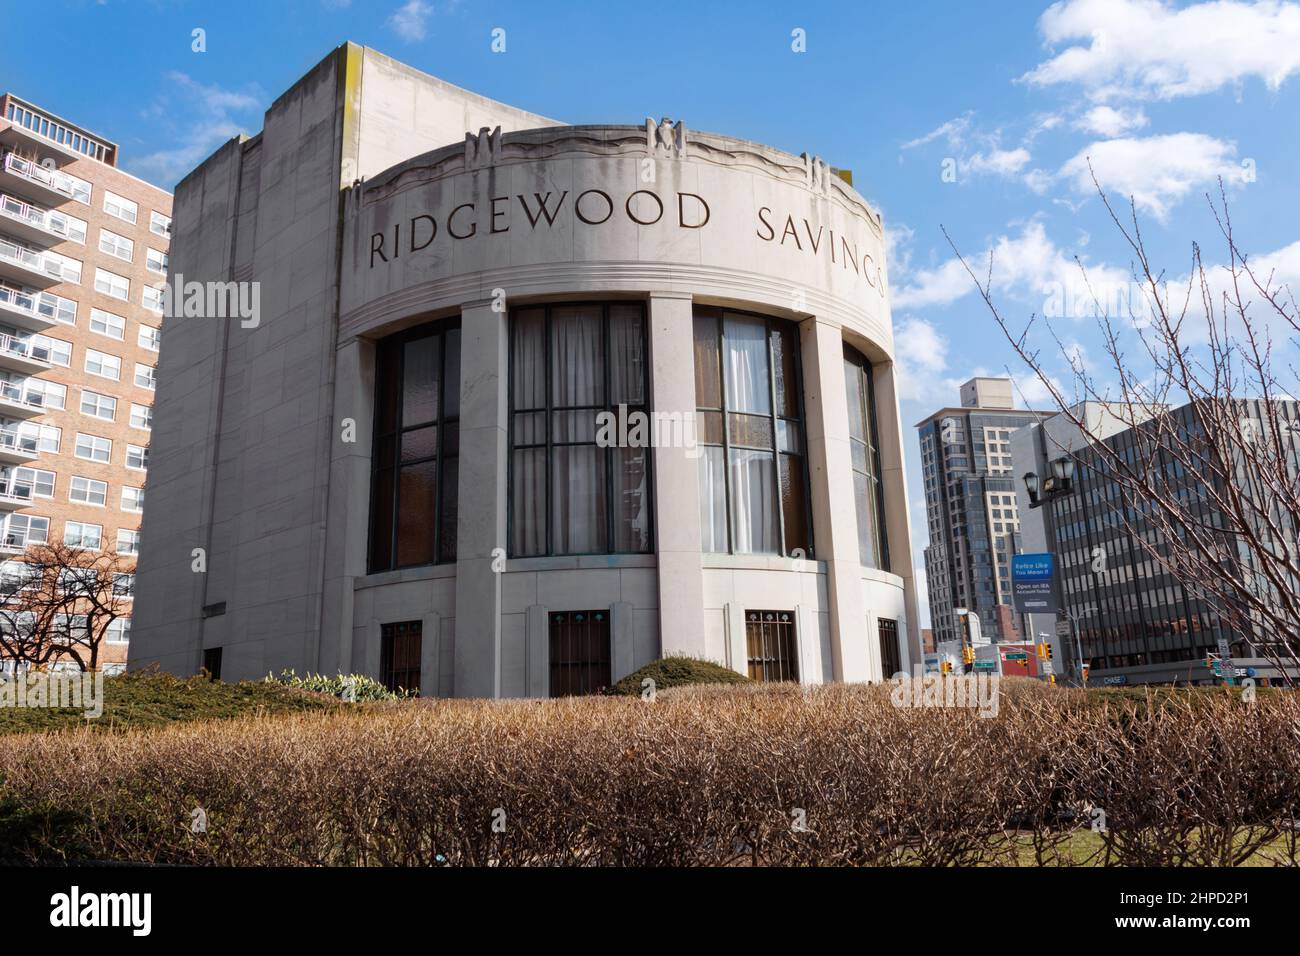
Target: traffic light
1041, 650
1051, 679
968, 654
1048, 646
945, 667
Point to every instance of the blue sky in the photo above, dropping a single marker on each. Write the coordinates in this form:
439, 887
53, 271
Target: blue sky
1015, 97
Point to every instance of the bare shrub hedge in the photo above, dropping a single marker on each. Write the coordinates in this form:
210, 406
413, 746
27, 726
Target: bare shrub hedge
761, 775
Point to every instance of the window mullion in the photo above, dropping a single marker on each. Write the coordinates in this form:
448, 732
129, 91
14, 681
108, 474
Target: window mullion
776, 442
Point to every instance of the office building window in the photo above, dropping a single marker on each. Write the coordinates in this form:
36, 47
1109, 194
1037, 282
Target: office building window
399, 656
416, 448
771, 645
752, 471
575, 488
579, 653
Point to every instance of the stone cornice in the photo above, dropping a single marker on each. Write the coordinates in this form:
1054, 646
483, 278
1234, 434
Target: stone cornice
662, 140
642, 278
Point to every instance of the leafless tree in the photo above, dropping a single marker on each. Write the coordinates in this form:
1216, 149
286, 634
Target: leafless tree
59, 603
1202, 370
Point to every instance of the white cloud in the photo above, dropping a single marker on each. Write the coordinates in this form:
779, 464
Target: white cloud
410, 21
1110, 122
211, 110
1157, 171
1152, 49
952, 132
1029, 264
997, 162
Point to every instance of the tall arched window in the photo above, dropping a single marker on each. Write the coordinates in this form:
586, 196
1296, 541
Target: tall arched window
749, 413
416, 447
864, 441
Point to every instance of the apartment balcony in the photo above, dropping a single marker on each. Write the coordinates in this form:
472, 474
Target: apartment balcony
14, 494
17, 449
37, 226
13, 544
26, 357
25, 310
28, 266
26, 177
17, 402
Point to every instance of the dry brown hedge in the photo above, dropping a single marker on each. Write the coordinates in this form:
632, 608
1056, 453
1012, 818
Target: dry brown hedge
700, 776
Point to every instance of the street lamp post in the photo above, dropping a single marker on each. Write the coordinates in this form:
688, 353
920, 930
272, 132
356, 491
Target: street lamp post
1042, 491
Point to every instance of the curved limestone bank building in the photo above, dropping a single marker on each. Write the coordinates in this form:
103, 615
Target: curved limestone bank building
515, 411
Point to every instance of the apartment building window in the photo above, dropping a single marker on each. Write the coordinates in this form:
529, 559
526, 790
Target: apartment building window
752, 471
156, 261
118, 631
864, 445
77, 581
66, 267
568, 494
149, 338
56, 308
50, 395
98, 406
212, 662
399, 655
112, 284
159, 224
771, 645
45, 438
579, 653
128, 542
132, 499
38, 479
120, 206
107, 324
67, 226
54, 351
141, 416
123, 584
87, 491
137, 457
93, 448
146, 376
115, 245
15, 576
416, 448
151, 298
103, 364
23, 530
79, 534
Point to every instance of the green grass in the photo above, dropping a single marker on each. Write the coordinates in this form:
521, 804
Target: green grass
144, 699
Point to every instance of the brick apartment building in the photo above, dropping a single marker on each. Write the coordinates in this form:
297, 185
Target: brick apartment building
83, 251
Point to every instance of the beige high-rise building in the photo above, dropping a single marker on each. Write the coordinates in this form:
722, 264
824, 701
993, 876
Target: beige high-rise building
83, 252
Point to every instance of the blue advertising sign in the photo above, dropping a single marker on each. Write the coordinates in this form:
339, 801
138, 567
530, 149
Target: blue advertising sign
1033, 579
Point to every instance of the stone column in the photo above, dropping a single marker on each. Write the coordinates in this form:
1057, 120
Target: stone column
677, 483
894, 488
481, 504
349, 503
854, 657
